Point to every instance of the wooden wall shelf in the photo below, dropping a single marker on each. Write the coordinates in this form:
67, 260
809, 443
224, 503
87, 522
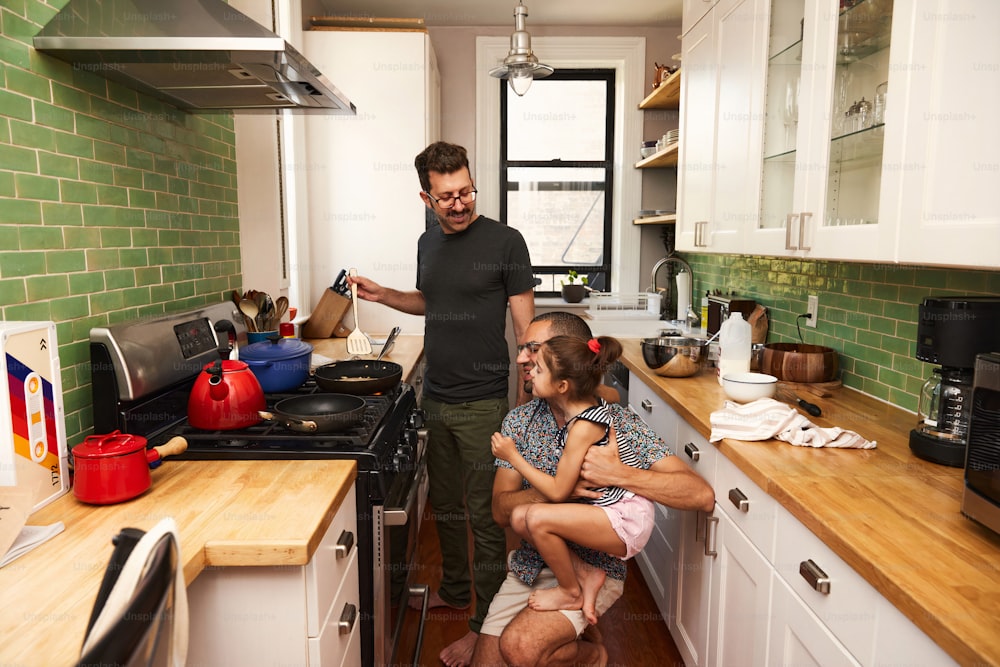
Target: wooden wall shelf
665, 96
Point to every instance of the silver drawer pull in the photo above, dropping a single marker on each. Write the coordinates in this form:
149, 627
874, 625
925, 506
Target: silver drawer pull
344, 544
803, 218
816, 577
711, 528
347, 618
647, 405
738, 498
692, 451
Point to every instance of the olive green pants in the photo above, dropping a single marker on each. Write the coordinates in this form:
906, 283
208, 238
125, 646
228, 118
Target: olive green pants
461, 468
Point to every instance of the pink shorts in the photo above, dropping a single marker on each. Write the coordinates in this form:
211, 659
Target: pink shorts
632, 520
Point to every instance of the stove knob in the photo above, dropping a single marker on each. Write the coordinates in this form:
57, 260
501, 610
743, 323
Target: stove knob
417, 418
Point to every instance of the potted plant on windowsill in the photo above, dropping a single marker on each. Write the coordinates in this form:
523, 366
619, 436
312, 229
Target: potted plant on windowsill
574, 288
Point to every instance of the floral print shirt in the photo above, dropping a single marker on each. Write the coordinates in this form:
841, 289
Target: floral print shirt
533, 427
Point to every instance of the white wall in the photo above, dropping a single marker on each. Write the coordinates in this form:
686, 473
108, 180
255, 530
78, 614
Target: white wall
364, 204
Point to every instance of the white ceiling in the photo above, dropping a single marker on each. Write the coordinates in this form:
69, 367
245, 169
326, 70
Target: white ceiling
608, 13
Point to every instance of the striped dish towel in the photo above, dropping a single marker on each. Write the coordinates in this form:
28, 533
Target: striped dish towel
767, 418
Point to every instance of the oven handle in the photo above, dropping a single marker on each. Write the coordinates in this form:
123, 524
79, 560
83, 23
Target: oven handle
424, 591
399, 516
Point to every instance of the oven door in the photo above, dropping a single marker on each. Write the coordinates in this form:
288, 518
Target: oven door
403, 626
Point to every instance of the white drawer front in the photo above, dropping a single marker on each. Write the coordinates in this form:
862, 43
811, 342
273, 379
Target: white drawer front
697, 452
326, 569
848, 609
899, 642
654, 410
331, 645
746, 504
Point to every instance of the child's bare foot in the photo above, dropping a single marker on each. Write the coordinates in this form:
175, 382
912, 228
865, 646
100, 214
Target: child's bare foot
590, 579
554, 599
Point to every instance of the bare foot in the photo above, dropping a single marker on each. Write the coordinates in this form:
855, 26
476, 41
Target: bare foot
553, 599
590, 579
459, 652
433, 602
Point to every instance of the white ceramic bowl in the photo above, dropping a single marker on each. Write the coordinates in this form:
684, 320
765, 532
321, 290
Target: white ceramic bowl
746, 387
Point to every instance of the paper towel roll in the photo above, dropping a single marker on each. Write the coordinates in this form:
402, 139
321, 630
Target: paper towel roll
683, 294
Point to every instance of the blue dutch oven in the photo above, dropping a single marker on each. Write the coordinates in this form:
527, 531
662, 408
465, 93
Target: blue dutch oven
280, 364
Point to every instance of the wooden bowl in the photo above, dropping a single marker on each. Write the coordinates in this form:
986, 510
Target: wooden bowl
798, 362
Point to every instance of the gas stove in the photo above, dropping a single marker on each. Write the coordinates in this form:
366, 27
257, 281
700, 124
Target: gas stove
142, 375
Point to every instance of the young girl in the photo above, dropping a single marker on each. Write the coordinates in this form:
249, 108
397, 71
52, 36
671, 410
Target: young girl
567, 374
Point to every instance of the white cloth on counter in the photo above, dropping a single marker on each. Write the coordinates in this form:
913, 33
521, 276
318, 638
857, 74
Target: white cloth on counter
767, 418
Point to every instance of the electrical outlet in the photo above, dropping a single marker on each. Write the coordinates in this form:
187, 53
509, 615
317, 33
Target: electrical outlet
812, 309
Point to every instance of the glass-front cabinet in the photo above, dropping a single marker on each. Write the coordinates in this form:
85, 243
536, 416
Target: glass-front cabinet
824, 129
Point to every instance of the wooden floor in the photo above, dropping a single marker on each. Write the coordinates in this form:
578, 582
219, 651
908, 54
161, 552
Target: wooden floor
634, 631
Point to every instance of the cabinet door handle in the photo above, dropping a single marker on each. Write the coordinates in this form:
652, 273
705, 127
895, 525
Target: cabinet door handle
711, 529
788, 231
816, 577
692, 451
344, 544
647, 405
803, 218
739, 499
701, 240
347, 618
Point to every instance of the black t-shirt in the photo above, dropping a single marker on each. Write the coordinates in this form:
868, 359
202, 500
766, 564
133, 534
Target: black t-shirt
466, 279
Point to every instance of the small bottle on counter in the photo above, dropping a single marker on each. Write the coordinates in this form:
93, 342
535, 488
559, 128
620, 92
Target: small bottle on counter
734, 345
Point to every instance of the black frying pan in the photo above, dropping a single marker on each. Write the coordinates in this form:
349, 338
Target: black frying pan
359, 376
318, 413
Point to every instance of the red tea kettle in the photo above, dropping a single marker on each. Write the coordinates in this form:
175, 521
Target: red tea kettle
226, 396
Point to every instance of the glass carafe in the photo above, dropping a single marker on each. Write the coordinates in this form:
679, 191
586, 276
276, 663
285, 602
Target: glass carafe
943, 410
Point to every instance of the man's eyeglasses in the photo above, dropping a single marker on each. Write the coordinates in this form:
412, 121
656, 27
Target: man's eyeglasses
449, 202
531, 347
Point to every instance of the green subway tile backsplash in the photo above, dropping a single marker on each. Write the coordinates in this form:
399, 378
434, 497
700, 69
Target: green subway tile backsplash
107, 196
867, 312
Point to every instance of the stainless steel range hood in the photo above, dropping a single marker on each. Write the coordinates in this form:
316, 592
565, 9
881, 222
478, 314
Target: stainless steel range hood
194, 54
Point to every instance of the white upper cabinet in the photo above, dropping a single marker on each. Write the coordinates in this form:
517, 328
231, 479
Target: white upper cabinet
692, 12
871, 124
823, 146
946, 181
722, 85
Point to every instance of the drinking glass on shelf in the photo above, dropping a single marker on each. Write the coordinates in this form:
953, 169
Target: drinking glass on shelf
878, 111
791, 109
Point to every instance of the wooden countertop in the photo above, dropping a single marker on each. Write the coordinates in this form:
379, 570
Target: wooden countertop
893, 517
228, 513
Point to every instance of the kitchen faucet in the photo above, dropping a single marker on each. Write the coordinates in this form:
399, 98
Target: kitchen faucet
691, 317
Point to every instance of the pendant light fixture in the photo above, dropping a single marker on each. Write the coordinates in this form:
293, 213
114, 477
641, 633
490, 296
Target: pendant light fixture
520, 66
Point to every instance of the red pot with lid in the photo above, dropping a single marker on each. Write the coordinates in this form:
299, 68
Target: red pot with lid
226, 396
114, 467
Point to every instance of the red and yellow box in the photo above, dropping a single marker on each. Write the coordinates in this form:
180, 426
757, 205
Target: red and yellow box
33, 454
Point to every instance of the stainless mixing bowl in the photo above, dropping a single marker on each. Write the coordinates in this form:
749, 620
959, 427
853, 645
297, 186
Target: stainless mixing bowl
674, 356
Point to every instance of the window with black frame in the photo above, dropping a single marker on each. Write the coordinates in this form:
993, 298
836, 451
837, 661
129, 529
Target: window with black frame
556, 172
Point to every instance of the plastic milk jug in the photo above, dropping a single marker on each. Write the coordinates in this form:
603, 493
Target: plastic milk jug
734, 345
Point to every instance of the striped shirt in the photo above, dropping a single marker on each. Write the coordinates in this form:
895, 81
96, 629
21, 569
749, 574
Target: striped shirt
534, 429
601, 415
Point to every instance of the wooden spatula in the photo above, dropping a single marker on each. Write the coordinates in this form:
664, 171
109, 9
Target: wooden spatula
357, 342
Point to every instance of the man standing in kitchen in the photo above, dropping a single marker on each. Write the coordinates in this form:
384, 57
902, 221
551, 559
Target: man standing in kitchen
512, 632
469, 269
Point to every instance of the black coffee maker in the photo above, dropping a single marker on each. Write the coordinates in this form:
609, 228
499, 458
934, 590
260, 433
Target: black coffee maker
951, 331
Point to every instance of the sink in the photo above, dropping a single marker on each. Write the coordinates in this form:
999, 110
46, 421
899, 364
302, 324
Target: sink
627, 328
